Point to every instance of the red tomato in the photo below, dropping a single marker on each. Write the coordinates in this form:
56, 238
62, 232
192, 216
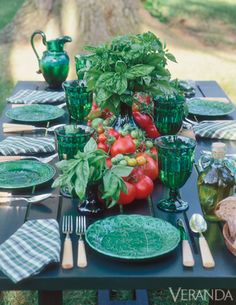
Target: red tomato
102, 138
94, 106
124, 145
135, 107
153, 151
150, 168
108, 162
130, 196
113, 133
144, 187
152, 131
142, 119
103, 146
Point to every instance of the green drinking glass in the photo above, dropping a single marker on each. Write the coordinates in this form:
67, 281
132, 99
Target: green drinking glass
70, 139
78, 101
82, 62
169, 114
175, 161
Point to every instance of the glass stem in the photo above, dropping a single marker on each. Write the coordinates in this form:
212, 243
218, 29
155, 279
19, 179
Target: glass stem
174, 193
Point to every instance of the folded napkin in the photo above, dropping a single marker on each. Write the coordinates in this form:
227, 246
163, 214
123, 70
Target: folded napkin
26, 145
216, 129
31, 248
36, 96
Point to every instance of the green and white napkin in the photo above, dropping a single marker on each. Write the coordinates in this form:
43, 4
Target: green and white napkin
30, 249
36, 97
216, 129
17, 145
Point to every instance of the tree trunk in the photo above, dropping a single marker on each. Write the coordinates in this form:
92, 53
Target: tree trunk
90, 21
86, 21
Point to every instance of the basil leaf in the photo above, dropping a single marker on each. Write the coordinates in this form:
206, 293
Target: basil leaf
123, 187
104, 80
82, 173
139, 71
90, 146
120, 66
102, 95
59, 181
122, 170
171, 57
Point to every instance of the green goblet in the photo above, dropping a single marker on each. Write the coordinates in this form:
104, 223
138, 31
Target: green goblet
175, 160
78, 100
169, 114
70, 139
81, 64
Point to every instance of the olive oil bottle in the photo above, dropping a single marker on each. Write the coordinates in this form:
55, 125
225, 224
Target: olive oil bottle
215, 182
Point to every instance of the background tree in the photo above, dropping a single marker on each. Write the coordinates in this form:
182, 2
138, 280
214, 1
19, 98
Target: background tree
86, 21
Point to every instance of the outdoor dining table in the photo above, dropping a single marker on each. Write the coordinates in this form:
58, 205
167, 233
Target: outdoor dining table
104, 273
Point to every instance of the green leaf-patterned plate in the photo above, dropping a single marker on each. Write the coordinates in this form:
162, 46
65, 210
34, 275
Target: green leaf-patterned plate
132, 237
35, 113
24, 173
209, 106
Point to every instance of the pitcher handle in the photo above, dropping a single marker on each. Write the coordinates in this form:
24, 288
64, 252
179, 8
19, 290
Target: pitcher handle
33, 46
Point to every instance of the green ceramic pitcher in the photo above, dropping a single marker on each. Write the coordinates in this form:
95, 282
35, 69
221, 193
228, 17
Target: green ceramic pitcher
54, 64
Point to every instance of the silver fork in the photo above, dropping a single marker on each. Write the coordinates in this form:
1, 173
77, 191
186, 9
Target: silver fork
6, 197
14, 158
80, 231
67, 228
10, 128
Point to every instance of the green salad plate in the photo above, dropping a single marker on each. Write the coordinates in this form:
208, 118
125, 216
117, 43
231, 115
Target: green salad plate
35, 113
132, 237
210, 106
24, 174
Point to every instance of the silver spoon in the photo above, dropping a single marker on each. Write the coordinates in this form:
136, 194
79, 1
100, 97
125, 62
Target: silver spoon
198, 225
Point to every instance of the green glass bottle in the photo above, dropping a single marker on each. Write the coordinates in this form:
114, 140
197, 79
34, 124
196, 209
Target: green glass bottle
215, 182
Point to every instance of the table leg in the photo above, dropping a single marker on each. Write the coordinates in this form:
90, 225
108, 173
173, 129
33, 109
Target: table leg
50, 297
223, 297
141, 298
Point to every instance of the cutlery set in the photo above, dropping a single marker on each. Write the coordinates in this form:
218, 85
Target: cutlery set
40, 159
13, 128
197, 225
68, 229
7, 197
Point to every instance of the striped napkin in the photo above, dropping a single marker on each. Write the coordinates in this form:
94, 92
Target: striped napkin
216, 129
36, 96
31, 248
17, 145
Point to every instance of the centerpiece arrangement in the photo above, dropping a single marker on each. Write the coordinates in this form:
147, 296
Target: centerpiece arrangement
125, 66
124, 76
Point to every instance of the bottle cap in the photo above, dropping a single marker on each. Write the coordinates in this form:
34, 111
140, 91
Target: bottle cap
218, 150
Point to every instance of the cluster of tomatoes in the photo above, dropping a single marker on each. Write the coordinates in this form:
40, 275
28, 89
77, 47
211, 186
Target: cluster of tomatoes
140, 182
130, 148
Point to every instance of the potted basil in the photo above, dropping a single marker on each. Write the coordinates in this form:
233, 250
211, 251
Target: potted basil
126, 65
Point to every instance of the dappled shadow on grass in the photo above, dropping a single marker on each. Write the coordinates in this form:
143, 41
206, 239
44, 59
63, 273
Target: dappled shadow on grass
212, 22
89, 297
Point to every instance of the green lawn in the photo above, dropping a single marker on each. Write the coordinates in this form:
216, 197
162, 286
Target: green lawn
212, 21
7, 12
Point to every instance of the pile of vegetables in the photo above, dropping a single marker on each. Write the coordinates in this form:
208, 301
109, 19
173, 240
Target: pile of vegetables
122, 178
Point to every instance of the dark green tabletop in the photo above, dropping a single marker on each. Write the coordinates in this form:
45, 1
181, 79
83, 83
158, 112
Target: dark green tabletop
106, 273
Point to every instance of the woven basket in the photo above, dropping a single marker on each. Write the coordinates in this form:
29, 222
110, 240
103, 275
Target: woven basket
228, 240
